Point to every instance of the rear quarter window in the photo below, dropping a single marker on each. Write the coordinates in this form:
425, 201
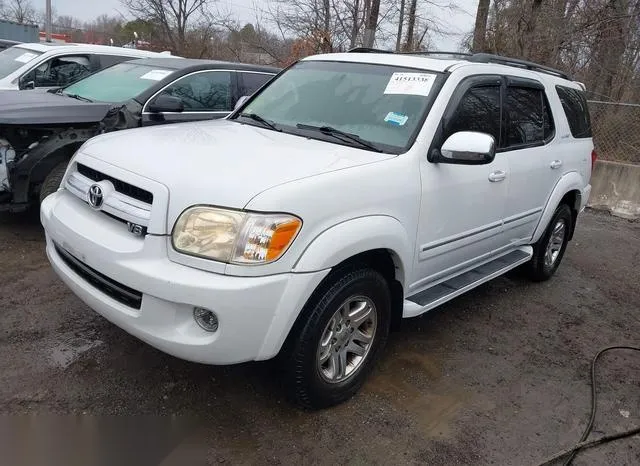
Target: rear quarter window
574, 104
109, 60
251, 82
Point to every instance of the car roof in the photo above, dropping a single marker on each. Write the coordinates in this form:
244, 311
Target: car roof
194, 65
44, 47
409, 61
444, 62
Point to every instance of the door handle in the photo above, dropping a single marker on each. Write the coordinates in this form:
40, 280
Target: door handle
497, 175
556, 164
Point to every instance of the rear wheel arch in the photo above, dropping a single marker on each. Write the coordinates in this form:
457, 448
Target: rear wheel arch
573, 199
566, 191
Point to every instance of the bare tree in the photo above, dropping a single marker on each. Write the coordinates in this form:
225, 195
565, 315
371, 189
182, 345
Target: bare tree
411, 24
480, 29
400, 25
20, 11
173, 17
371, 23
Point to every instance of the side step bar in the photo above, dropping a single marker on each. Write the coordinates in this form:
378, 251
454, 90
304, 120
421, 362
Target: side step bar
447, 290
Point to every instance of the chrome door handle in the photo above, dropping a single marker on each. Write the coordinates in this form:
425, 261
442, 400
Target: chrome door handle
556, 164
497, 175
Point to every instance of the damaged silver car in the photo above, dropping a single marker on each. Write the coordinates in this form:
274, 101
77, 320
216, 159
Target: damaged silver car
40, 131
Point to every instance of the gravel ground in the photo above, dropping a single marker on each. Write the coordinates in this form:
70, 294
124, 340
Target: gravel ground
499, 376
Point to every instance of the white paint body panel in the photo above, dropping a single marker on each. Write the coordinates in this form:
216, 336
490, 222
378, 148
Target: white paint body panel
436, 220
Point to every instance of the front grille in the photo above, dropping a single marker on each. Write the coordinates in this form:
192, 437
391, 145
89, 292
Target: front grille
119, 185
121, 293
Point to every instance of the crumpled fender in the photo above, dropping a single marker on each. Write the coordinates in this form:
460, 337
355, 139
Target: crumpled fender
33, 166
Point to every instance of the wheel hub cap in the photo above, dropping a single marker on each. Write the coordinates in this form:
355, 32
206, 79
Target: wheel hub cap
346, 339
556, 240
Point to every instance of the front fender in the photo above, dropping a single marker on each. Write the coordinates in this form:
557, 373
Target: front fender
38, 162
571, 181
356, 236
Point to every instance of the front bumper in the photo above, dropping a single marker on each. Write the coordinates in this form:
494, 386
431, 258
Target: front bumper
255, 313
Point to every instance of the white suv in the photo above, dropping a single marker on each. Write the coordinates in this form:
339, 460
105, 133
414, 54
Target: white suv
354, 190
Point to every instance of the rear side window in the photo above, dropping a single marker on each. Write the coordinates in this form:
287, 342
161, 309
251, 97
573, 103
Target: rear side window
478, 110
529, 120
108, 60
207, 91
575, 108
251, 82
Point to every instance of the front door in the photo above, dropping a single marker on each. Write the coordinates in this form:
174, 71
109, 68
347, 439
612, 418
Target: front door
462, 205
206, 95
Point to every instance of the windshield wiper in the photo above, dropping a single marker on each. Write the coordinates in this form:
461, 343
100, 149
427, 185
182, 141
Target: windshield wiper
259, 119
77, 97
336, 133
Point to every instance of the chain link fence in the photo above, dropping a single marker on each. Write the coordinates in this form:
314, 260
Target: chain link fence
616, 130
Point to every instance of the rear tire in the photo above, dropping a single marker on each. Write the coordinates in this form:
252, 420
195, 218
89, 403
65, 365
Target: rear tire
52, 181
344, 330
550, 248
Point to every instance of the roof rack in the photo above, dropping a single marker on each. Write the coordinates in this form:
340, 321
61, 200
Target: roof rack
529, 65
476, 58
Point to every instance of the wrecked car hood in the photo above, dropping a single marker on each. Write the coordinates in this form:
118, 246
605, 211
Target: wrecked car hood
45, 108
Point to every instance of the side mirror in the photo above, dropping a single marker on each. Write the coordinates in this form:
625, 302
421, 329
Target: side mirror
468, 148
166, 103
241, 101
27, 85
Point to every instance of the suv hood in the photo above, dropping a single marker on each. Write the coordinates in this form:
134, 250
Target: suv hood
221, 162
44, 108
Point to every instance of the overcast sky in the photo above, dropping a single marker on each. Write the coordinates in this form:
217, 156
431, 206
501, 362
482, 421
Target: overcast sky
457, 23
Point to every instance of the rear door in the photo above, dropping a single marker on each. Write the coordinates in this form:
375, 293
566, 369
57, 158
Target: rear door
206, 95
534, 156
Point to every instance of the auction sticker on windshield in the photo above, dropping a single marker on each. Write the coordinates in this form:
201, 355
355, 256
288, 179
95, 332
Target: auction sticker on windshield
410, 84
156, 75
25, 57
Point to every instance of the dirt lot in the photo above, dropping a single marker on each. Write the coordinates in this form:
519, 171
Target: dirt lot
499, 376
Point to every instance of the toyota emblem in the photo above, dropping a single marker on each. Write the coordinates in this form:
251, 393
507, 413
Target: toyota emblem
96, 197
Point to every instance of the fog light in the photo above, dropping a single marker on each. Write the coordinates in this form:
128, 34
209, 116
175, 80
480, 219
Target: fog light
205, 319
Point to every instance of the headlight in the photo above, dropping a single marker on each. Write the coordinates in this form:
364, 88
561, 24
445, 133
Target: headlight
234, 236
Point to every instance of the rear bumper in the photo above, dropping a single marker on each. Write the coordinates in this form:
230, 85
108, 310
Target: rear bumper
255, 313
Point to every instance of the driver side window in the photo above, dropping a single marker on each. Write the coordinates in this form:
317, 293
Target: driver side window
478, 110
60, 71
203, 92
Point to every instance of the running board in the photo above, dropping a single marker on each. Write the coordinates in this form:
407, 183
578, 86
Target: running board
453, 287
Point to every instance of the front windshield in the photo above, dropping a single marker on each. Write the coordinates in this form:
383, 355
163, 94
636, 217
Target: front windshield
14, 58
118, 83
380, 104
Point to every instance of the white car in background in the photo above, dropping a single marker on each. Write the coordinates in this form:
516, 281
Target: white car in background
45, 65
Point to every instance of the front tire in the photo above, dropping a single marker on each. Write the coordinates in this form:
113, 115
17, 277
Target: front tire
52, 181
550, 248
344, 330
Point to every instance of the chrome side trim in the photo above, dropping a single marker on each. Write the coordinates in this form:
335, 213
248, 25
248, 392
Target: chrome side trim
522, 216
467, 234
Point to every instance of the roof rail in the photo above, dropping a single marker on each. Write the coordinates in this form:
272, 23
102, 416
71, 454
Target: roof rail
368, 50
461, 55
529, 65
476, 58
